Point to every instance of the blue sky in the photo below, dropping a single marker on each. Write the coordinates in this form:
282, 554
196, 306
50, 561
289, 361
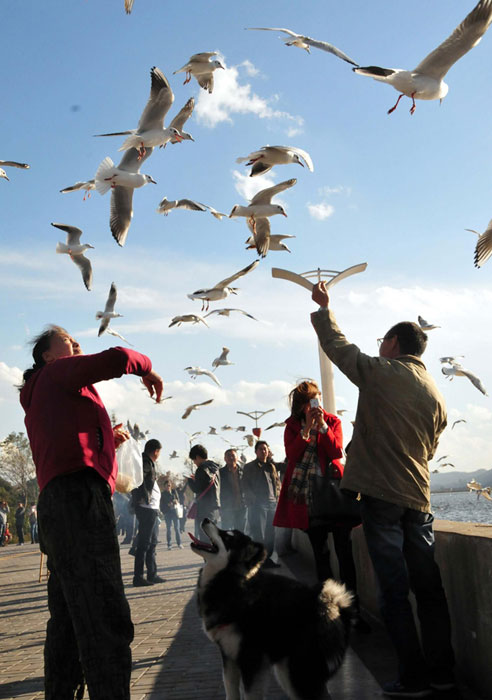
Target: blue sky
394, 191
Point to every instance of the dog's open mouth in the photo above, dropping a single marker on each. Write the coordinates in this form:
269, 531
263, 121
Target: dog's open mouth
199, 544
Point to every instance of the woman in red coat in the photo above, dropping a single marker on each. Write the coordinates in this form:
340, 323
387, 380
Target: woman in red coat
310, 425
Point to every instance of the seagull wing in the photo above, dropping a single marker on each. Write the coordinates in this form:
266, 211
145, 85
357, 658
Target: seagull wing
329, 48
190, 204
262, 236
14, 164
85, 267
265, 196
103, 326
130, 161
474, 380
203, 57
73, 233
206, 81
160, 100
182, 116
111, 331
225, 352
465, 37
88, 185
277, 29
483, 249
111, 300
301, 153
128, 6
121, 212
212, 376
232, 278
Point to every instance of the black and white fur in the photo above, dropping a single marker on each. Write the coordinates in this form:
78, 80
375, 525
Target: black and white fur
260, 620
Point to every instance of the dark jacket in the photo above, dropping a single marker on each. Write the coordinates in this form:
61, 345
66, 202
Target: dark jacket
169, 499
255, 485
228, 495
210, 501
143, 492
19, 516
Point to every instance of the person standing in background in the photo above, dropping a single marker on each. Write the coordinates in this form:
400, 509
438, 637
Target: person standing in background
232, 507
20, 514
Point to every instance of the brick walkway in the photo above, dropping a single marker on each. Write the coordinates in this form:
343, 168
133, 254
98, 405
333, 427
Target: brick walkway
172, 658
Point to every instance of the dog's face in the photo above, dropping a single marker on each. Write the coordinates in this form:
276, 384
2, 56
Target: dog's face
228, 548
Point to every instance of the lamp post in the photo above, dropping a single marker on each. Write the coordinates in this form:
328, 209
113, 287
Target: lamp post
332, 276
256, 415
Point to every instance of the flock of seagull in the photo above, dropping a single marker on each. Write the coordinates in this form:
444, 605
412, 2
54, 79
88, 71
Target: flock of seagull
425, 82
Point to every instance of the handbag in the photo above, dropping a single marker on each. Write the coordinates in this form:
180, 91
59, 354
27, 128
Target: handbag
179, 510
329, 503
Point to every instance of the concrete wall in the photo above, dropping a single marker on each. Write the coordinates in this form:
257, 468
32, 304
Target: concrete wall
464, 554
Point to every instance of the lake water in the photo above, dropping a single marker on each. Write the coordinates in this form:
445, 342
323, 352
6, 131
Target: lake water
461, 506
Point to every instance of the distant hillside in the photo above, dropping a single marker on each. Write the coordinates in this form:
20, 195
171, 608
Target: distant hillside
456, 481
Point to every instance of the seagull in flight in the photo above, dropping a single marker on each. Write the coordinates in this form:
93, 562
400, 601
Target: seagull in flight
266, 157
305, 42
76, 250
426, 81
167, 205
194, 407
275, 240
483, 249
187, 318
194, 372
281, 424
109, 311
150, 131
425, 325
460, 420
173, 455
261, 206
456, 370
87, 185
11, 164
222, 289
202, 68
112, 331
227, 312
212, 431
222, 359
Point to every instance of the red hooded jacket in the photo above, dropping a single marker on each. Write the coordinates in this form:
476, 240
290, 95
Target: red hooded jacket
289, 514
67, 424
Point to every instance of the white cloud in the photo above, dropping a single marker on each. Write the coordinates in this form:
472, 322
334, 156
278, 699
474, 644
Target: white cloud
230, 97
248, 186
250, 68
326, 191
320, 211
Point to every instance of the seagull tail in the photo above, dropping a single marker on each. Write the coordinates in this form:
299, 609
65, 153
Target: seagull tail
62, 248
103, 175
132, 141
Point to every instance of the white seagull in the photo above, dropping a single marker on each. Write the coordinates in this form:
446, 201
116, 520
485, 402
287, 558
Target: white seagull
187, 318
212, 431
275, 241
227, 312
112, 331
76, 250
109, 311
266, 157
11, 164
276, 425
222, 359
425, 325
87, 185
451, 360
194, 372
222, 289
194, 407
150, 131
305, 42
167, 205
179, 121
483, 249
261, 206
122, 180
456, 370
425, 82
202, 68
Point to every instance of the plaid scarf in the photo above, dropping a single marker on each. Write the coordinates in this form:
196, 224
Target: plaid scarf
301, 485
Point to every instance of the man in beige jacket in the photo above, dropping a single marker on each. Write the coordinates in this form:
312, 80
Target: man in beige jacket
400, 415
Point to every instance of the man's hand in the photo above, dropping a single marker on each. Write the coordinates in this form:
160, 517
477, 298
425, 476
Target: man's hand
120, 435
320, 295
154, 385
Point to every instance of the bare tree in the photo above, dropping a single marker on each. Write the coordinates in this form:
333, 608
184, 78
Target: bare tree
17, 465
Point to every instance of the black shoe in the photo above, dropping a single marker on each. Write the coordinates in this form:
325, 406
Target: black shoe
141, 581
156, 579
396, 689
132, 551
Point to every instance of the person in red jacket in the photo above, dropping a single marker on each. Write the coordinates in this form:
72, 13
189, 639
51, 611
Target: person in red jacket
89, 632
309, 424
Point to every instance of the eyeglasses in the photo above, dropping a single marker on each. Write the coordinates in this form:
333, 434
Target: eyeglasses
380, 341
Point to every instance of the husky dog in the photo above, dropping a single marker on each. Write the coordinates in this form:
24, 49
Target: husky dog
260, 620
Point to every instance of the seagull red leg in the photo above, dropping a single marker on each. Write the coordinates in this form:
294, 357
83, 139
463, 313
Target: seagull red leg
396, 105
412, 108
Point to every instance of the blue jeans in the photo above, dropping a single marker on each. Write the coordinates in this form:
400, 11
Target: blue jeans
260, 524
401, 545
172, 519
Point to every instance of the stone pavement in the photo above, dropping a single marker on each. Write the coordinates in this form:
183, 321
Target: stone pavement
172, 658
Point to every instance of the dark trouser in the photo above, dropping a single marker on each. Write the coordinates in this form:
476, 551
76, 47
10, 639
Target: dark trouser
172, 520
212, 515
233, 519
401, 545
2, 533
20, 532
148, 529
90, 630
260, 521
34, 533
318, 536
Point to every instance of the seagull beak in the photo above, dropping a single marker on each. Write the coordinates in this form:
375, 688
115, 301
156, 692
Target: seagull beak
178, 137
284, 214
153, 181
